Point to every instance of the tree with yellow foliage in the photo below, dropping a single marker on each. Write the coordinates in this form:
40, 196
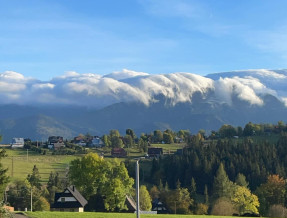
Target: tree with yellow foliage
244, 201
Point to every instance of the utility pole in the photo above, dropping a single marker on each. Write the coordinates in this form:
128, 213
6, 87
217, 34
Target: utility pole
137, 188
27, 156
12, 171
31, 198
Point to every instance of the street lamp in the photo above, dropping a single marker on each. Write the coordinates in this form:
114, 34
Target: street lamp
138, 186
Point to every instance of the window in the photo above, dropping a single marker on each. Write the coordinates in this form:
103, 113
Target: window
62, 199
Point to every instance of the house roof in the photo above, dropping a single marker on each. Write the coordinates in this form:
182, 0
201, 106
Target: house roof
73, 192
155, 150
131, 204
77, 195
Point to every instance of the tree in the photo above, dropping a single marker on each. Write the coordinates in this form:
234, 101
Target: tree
131, 133
142, 145
93, 175
116, 142
167, 138
158, 136
270, 193
53, 186
145, 199
129, 142
106, 140
154, 192
4, 179
192, 188
206, 197
179, 201
249, 129
227, 131
19, 194
222, 186
114, 132
241, 180
35, 178
244, 201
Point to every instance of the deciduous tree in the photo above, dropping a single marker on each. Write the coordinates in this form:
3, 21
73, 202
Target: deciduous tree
244, 201
93, 175
145, 199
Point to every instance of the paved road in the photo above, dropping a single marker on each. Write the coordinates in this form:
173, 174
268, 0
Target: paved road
17, 215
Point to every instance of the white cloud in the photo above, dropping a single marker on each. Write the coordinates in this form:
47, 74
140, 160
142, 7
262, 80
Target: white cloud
128, 86
125, 74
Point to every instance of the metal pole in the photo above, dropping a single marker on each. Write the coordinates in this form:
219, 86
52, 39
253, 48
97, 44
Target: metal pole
12, 171
27, 156
31, 199
137, 189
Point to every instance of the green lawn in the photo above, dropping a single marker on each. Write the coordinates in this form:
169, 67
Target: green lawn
22, 166
111, 215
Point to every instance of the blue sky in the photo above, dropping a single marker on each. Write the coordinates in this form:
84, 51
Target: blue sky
45, 39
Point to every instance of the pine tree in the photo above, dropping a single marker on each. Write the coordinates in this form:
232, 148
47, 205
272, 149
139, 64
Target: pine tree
241, 180
222, 186
34, 178
206, 200
192, 188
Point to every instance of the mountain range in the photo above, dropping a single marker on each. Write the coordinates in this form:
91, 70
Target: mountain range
90, 103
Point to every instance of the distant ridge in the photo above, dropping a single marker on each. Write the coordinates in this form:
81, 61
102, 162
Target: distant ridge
95, 104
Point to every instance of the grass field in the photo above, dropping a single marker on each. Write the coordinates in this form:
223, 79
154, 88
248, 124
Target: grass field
112, 215
19, 166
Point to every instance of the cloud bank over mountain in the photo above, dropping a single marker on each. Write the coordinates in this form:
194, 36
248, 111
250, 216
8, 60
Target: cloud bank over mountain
95, 90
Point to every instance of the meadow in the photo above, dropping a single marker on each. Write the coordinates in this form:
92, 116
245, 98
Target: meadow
112, 215
20, 164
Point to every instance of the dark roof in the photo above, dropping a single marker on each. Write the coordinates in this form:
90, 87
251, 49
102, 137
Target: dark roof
155, 151
131, 204
77, 195
81, 201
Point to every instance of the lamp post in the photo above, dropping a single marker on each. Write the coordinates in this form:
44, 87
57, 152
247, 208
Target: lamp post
138, 186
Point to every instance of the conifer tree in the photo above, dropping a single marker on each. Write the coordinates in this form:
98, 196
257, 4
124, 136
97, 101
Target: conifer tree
34, 178
241, 180
192, 188
222, 186
206, 198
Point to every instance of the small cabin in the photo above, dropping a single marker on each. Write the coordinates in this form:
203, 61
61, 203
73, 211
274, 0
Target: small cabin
70, 200
154, 152
118, 152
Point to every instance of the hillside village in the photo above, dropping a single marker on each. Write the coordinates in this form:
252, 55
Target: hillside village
209, 160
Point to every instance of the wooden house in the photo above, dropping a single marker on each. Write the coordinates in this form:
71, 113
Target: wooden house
70, 200
154, 152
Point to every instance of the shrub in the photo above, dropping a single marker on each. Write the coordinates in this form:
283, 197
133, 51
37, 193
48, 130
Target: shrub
223, 207
201, 209
277, 211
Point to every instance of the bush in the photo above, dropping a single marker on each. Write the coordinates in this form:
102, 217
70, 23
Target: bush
201, 209
223, 207
41, 205
277, 211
